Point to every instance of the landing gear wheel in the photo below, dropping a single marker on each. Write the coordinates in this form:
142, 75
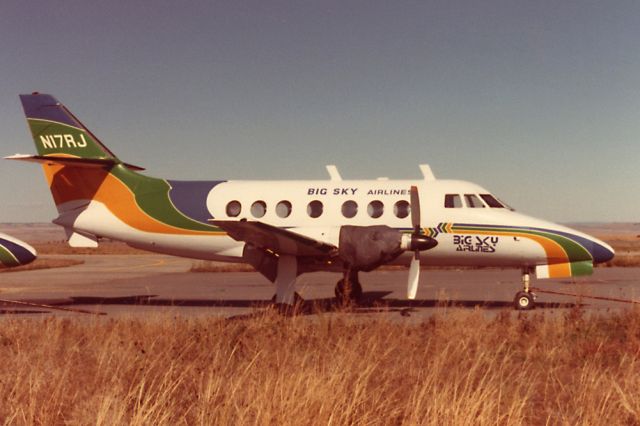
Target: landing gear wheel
286, 309
524, 301
346, 294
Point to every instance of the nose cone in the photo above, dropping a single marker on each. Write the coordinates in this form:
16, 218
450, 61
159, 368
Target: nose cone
601, 252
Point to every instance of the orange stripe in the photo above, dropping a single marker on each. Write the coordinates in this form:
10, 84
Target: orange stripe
560, 270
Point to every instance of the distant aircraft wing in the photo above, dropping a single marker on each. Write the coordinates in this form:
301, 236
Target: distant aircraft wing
278, 240
14, 252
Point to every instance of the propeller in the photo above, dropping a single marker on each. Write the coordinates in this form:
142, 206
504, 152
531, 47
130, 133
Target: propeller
419, 242
364, 248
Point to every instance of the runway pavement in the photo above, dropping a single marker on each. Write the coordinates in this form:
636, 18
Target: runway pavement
138, 285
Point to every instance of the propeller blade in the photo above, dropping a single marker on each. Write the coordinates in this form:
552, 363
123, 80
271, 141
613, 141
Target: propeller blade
415, 210
414, 277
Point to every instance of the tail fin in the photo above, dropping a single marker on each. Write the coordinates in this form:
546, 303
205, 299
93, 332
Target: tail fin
58, 133
86, 178
61, 138
74, 161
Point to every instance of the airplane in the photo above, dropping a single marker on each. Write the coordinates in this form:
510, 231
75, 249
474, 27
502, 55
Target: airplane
287, 228
14, 252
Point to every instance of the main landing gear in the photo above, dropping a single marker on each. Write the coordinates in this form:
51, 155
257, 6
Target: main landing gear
348, 290
286, 300
287, 309
525, 300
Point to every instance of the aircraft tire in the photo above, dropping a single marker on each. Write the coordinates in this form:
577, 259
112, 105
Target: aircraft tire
524, 301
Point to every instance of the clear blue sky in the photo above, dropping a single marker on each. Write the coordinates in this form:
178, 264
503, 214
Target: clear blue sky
539, 101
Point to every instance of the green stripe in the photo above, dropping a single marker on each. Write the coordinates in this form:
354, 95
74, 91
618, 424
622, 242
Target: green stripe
152, 197
581, 268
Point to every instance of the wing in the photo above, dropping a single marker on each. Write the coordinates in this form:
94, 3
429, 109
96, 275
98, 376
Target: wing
277, 240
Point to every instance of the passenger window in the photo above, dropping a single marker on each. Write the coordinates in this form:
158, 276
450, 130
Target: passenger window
375, 209
234, 208
314, 209
283, 209
258, 209
452, 201
491, 201
401, 209
473, 201
349, 209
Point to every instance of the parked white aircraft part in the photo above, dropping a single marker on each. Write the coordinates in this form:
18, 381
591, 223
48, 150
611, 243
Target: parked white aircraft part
14, 252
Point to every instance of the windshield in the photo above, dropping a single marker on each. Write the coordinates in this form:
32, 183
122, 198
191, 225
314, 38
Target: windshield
494, 202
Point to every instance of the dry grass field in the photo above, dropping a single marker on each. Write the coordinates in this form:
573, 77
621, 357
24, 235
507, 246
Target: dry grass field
458, 367
627, 249
623, 237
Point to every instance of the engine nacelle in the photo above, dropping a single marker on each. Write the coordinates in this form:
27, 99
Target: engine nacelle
364, 248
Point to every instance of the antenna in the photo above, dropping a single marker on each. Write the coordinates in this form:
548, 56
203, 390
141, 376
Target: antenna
426, 172
334, 174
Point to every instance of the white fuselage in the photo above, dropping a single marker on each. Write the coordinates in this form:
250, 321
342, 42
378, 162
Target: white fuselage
467, 248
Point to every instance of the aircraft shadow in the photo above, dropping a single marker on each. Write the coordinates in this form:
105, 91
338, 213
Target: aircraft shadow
371, 302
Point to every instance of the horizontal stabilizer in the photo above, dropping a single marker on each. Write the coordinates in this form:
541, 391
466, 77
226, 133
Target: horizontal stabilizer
277, 240
70, 161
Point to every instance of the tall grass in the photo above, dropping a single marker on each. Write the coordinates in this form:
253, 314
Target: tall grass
460, 367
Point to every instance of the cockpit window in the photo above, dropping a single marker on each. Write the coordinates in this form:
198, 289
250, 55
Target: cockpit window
506, 206
452, 201
473, 201
492, 201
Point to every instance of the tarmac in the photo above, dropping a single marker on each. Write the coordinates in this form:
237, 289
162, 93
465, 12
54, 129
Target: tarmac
140, 285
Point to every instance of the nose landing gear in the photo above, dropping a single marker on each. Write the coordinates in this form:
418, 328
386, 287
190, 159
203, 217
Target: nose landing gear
525, 300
